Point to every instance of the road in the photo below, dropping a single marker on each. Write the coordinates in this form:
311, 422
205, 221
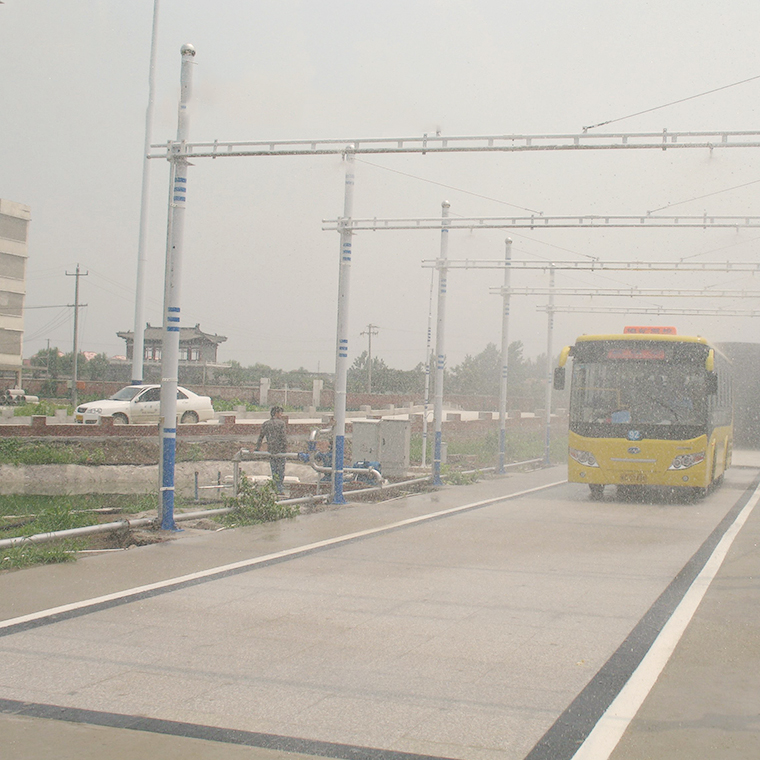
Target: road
493, 621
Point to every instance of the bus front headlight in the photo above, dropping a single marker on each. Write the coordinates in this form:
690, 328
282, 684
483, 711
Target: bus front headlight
586, 458
684, 461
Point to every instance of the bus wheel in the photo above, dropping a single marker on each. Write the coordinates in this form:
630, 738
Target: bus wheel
597, 491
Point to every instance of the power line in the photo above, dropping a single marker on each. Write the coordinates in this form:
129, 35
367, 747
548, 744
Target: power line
448, 187
672, 103
708, 195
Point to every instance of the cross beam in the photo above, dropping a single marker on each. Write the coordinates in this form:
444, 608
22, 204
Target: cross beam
657, 310
542, 222
596, 265
437, 143
630, 292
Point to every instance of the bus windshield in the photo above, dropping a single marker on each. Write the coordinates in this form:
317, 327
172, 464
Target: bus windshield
638, 393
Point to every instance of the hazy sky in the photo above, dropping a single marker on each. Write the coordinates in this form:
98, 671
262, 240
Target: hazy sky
257, 266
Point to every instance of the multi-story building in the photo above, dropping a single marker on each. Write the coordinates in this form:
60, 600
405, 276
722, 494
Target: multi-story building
14, 231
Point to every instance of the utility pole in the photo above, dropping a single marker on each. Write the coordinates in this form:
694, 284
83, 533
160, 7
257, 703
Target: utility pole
369, 332
77, 275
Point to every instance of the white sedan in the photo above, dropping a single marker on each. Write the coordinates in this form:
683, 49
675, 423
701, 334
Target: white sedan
141, 403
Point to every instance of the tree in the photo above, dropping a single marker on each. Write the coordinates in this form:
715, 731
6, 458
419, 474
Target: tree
477, 375
96, 368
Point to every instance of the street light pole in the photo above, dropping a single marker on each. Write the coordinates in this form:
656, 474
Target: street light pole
138, 347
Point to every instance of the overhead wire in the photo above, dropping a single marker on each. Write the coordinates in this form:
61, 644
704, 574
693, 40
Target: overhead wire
448, 187
700, 197
672, 103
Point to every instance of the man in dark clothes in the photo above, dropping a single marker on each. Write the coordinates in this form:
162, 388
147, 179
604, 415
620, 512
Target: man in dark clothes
277, 443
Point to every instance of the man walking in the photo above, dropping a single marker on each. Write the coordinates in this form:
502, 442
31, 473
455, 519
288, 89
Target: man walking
277, 443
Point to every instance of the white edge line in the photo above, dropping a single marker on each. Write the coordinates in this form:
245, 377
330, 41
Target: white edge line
259, 560
604, 737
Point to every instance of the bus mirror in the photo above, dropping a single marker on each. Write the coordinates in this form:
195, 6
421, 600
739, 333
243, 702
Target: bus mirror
559, 378
712, 383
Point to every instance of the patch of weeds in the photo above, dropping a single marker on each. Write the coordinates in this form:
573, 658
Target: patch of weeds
57, 516
91, 456
28, 555
47, 408
456, 478
18, 451
256, 504
191, 452
29, 505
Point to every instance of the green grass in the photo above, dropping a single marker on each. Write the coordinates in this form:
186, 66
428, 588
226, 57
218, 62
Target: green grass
26, 515
520, 446
29, 555
48, 408
20, 451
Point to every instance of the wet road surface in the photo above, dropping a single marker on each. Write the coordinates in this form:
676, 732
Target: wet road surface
498, 620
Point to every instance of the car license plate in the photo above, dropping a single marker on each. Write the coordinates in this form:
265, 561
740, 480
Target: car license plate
633, 477
79, 418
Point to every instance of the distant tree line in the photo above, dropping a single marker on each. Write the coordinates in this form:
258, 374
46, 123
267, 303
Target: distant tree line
476, 375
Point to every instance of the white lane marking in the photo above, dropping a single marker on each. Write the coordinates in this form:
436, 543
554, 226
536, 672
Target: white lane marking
259, 560
610, 728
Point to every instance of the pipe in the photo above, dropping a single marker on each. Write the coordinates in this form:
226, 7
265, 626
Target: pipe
89, 530
388, 486
503, 467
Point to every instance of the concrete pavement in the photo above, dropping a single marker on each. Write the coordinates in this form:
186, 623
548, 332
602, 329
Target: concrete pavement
704, 705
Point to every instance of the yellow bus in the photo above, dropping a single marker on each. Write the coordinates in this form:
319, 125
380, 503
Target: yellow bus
647, 407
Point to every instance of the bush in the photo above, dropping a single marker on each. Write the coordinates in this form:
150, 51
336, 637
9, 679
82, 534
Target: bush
256, 504
46, 408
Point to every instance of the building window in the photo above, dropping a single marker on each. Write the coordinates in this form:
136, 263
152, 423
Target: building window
152, 353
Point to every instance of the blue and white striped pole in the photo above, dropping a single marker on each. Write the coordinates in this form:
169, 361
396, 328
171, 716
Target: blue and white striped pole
440, 353
504, 358
341, 347
549, 369
428, 345
170, 343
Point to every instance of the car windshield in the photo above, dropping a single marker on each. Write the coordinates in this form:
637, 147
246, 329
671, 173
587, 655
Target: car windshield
128, 393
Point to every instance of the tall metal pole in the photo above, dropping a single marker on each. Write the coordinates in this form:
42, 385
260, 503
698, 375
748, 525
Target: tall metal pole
138, 347
172, 280
341, 348
428, 346
504, 359
549, 368
75, 367
440, 343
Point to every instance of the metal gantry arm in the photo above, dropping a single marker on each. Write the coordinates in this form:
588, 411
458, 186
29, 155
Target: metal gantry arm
630, 292
597, 265
656, 310
586, 221
438, 143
